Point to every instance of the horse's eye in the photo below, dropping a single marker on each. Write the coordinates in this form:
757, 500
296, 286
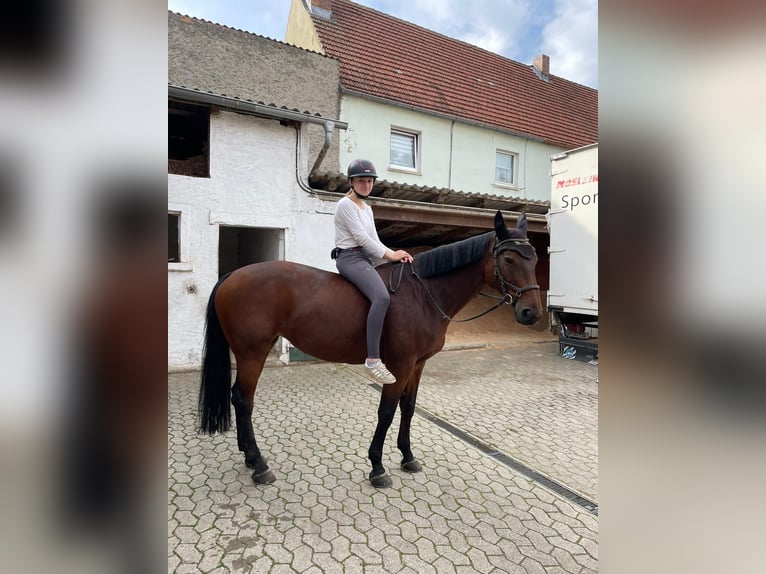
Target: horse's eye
508, 260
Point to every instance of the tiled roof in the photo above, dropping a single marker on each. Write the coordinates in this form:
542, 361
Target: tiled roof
384, 57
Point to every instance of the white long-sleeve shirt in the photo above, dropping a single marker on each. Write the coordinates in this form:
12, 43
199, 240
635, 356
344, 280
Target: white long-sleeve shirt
355, 227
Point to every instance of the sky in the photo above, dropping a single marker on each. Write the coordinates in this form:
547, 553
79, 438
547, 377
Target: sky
565, 30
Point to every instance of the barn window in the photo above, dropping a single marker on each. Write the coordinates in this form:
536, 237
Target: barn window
188, 139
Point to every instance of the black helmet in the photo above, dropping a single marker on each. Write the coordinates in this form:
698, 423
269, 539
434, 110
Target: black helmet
361, 168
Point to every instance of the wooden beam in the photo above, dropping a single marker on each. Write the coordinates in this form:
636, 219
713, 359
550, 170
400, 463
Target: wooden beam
408, 214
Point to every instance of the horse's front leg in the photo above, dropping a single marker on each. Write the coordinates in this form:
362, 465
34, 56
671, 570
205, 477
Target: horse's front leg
407, 408
386, 410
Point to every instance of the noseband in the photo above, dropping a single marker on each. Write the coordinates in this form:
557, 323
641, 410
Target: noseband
511, 293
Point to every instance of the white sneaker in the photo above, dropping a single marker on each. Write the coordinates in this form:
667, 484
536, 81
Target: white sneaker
380, 373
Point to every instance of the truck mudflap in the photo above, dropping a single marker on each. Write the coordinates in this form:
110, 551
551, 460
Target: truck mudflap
582, 350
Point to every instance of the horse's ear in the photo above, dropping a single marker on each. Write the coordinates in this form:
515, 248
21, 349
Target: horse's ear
499, 224
521, 225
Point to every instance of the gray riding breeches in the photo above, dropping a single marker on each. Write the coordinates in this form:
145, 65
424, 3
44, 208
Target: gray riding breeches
356, 266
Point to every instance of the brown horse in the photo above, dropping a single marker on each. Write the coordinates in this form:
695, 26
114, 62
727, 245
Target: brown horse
254, 305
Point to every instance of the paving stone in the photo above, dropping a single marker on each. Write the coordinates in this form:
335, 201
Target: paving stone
188, 553
418, 564
532, 566
590, 546
506, 565
479, 560
587, 562
341, 548
211, 560
542, 556
565, 560
444, 565
327, 563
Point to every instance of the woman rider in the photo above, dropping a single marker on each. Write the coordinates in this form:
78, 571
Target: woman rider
357, 247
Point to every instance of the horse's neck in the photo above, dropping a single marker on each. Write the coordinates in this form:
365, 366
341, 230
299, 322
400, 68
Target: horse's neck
455, 289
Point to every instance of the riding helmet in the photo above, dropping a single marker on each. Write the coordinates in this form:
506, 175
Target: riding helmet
361, 168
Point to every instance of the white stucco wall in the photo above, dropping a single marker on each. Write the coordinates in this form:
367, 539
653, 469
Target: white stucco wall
252, 183
453, 155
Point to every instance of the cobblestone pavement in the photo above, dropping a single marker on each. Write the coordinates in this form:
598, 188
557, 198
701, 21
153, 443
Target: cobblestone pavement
466, 512
527, 402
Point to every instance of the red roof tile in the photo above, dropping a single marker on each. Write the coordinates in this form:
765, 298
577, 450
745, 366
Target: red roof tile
388, 58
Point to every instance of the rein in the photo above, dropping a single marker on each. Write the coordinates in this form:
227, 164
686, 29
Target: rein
508, 298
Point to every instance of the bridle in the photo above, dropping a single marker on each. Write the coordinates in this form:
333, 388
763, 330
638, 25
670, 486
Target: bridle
511, 293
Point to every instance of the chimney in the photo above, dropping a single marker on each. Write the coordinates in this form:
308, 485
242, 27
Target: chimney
543, 64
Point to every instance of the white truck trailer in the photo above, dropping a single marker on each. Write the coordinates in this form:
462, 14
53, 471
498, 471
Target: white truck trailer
573, 252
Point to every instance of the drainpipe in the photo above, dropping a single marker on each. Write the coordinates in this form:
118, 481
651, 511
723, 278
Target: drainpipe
451, 143
329, 126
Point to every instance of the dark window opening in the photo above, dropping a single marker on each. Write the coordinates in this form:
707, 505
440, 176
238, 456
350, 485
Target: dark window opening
174, 247
240, 246
188, 139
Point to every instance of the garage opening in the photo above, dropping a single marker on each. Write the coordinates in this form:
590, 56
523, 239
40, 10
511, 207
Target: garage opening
240, 246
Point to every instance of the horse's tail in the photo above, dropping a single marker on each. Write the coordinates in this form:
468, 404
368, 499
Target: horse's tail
215, 385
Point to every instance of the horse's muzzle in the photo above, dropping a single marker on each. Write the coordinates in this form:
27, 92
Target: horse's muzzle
527, 315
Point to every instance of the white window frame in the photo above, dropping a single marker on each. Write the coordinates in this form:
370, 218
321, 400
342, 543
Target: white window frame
514, 183
416, 142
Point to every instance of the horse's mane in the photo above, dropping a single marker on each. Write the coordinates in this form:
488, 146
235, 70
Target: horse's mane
447, 258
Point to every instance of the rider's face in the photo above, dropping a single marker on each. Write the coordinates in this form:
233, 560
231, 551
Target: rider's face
363, 185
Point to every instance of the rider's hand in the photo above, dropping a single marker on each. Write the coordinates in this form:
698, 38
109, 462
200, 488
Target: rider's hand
402, 256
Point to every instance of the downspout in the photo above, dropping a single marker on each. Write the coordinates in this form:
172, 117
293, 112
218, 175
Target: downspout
451, 143
329, 127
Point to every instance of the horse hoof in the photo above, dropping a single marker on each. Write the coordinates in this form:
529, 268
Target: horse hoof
264, 477
411, 466
381, 481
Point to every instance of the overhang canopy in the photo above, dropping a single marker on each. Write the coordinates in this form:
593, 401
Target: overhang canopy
412, 216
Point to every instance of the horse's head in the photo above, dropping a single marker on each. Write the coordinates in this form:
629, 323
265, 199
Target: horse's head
514, 265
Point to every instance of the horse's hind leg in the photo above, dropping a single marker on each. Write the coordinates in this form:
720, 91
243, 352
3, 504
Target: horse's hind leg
242, 397
407, 409
386, 410
245, 434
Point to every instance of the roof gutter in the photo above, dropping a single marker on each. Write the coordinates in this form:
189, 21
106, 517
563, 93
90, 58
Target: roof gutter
249, 107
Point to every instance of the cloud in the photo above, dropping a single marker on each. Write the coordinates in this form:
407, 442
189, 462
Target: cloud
266, 18
492, 40
571, 41
499, 26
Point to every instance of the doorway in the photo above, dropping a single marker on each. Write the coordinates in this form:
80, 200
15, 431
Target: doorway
240, 246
